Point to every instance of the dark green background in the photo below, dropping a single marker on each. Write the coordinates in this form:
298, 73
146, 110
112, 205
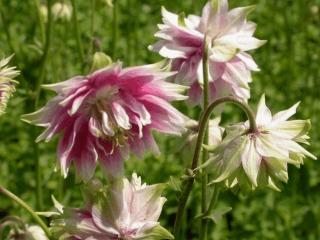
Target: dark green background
290, 72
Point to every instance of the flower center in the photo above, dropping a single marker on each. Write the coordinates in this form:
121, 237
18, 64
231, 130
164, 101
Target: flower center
105, 122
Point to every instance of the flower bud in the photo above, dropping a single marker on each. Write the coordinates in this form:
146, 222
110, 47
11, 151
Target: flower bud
61, 11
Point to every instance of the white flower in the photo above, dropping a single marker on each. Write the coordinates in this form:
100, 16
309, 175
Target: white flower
127, 211
261, 158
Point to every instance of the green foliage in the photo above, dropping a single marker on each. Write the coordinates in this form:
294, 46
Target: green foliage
290, 72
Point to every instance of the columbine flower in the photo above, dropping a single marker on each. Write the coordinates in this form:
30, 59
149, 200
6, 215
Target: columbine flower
61, 11
230, 37
261, 158
107, 113
127, 211
7, 84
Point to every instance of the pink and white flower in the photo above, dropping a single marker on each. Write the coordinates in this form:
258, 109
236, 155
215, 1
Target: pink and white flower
7, 84
261, 158
127, 210
230, 37
106, 114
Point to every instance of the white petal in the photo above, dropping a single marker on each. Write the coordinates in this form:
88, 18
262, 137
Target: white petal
263, 116
267, 146
251, 162
239, 41
248, 60
290, 129
278, 168
121, 116
222, 52
284, 115
232, 157
296, 148
106, 125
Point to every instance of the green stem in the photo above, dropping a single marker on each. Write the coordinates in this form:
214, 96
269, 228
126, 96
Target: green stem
202, 129
129, 32
6, 29
28, 209
39, 81
77, 33
40, 20
115, 29
204, 178
92, 23
44, 58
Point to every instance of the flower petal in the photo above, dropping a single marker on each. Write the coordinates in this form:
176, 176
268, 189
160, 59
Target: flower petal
251, 162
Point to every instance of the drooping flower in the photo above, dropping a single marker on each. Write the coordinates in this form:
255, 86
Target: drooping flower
7, 84
127, 210
61, 11
230, 37
261, 158
108, 113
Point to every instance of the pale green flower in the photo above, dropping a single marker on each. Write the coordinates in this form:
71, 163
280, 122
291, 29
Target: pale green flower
261, 158
7, 84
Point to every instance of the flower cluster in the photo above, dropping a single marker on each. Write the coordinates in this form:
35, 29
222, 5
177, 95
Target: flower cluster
7, 84
126, 210
229, 36
113, 111
260, 158
106, 114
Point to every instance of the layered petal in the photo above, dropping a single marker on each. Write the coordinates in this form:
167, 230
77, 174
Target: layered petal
261, 158
125, 210
103, 116
230, 35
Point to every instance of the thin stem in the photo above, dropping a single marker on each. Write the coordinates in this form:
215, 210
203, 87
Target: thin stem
129, 32
6, 29
40, 20
77, 33
39, 81
204, 179
92, 24
115, 29
28, 209
44, 58
202, 129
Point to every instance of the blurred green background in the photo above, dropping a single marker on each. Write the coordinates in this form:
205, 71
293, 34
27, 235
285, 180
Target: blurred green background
290, 72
